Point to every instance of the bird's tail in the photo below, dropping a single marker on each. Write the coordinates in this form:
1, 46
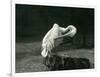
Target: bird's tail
44, 52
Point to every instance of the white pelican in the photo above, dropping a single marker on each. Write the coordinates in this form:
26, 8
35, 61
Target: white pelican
54, 33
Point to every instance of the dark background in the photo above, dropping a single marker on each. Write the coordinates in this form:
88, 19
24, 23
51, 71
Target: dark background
32, 22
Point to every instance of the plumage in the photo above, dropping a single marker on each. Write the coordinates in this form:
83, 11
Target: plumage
56, 32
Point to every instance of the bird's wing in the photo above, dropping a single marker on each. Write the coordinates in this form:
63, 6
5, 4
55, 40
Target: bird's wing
48, 40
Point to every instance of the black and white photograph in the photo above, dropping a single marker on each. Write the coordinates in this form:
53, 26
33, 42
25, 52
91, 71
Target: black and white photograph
53, 38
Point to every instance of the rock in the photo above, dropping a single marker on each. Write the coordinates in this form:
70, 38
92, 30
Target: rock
57, 62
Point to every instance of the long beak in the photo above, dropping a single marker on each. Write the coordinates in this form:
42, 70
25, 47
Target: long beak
62, 36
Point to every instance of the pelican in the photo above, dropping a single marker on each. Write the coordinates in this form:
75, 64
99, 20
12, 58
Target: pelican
56, 32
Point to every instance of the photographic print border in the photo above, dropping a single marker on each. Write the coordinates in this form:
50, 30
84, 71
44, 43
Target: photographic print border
31, 2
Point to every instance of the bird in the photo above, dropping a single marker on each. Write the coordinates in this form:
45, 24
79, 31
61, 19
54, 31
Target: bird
56, 32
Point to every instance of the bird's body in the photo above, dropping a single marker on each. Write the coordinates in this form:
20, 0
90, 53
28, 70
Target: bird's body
56, 32
48, 40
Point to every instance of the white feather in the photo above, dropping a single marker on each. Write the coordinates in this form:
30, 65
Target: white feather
54, 33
